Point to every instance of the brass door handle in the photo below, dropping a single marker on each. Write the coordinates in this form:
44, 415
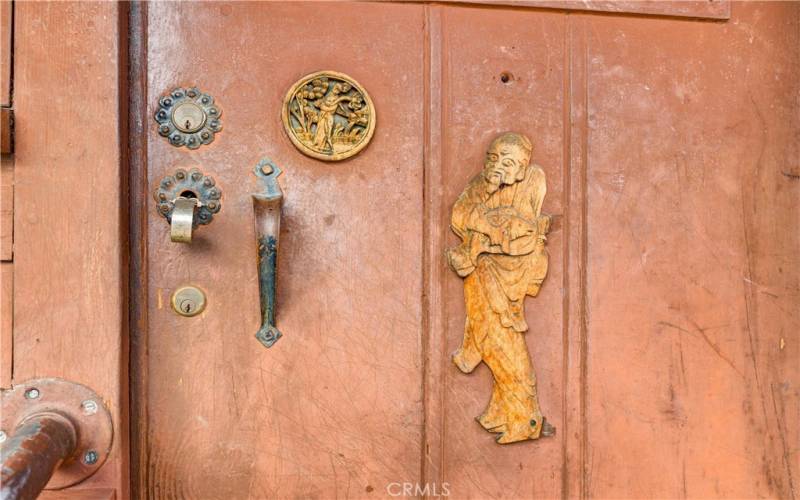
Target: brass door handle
187, 200
267, 208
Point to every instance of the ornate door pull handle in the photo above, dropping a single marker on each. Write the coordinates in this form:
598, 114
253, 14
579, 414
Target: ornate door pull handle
187, 200
267, 208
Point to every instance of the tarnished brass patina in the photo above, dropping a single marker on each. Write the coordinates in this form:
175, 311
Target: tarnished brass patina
267, 205
188, 117
502, 258
188, 301
328, 116
187, 200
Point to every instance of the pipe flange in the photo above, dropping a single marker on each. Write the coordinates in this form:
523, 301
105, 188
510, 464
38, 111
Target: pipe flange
80, 405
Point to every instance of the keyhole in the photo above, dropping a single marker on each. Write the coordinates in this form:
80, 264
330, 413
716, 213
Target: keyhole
188, 124
188, 301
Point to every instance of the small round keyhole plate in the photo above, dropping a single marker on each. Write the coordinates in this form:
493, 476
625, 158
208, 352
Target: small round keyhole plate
188, 117
188, 301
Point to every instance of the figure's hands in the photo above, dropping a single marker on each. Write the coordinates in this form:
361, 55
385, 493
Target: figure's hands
543, 224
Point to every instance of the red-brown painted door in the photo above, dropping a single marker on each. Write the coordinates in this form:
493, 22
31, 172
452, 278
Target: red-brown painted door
665, 338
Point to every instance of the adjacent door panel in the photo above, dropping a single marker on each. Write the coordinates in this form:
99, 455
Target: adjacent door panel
692, 215
335, 407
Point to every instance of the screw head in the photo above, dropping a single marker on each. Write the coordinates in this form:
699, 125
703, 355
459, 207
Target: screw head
90, 457
267, 169
32, 393
89, 407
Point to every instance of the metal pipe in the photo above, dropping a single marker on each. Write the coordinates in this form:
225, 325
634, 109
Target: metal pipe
38, 445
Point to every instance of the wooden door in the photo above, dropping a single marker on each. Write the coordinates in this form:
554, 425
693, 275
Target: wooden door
665, 338
335, 407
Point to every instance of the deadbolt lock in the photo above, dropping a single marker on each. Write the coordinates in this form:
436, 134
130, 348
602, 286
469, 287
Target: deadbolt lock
187, 200
188, 117
188, 301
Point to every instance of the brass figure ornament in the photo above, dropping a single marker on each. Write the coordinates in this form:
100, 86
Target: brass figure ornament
502, 258
328, 116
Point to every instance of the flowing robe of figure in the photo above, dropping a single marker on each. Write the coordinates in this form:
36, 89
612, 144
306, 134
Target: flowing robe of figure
500, 268
325, 124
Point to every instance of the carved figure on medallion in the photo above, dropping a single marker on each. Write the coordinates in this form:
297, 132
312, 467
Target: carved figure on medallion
328, 116
502, 258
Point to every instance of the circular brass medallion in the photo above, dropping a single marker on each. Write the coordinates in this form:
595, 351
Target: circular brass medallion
328, 116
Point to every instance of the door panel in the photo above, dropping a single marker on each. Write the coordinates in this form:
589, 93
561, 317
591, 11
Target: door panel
689, 217
480, 49
664, 338
335, 407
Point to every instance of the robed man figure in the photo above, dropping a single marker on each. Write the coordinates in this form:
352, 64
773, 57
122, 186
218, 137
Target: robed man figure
502, 259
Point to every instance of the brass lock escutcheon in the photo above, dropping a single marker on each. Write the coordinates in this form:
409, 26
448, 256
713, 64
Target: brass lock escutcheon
188, 301
188, 117
187, 200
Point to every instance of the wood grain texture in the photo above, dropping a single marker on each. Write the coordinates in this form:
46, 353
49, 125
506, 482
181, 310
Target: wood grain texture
68, 263
6, 208
79, 494
6, 29
479, 46
699, 9
6, 323
574, 280
334, 408
502, 258
6, 131
693, 205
